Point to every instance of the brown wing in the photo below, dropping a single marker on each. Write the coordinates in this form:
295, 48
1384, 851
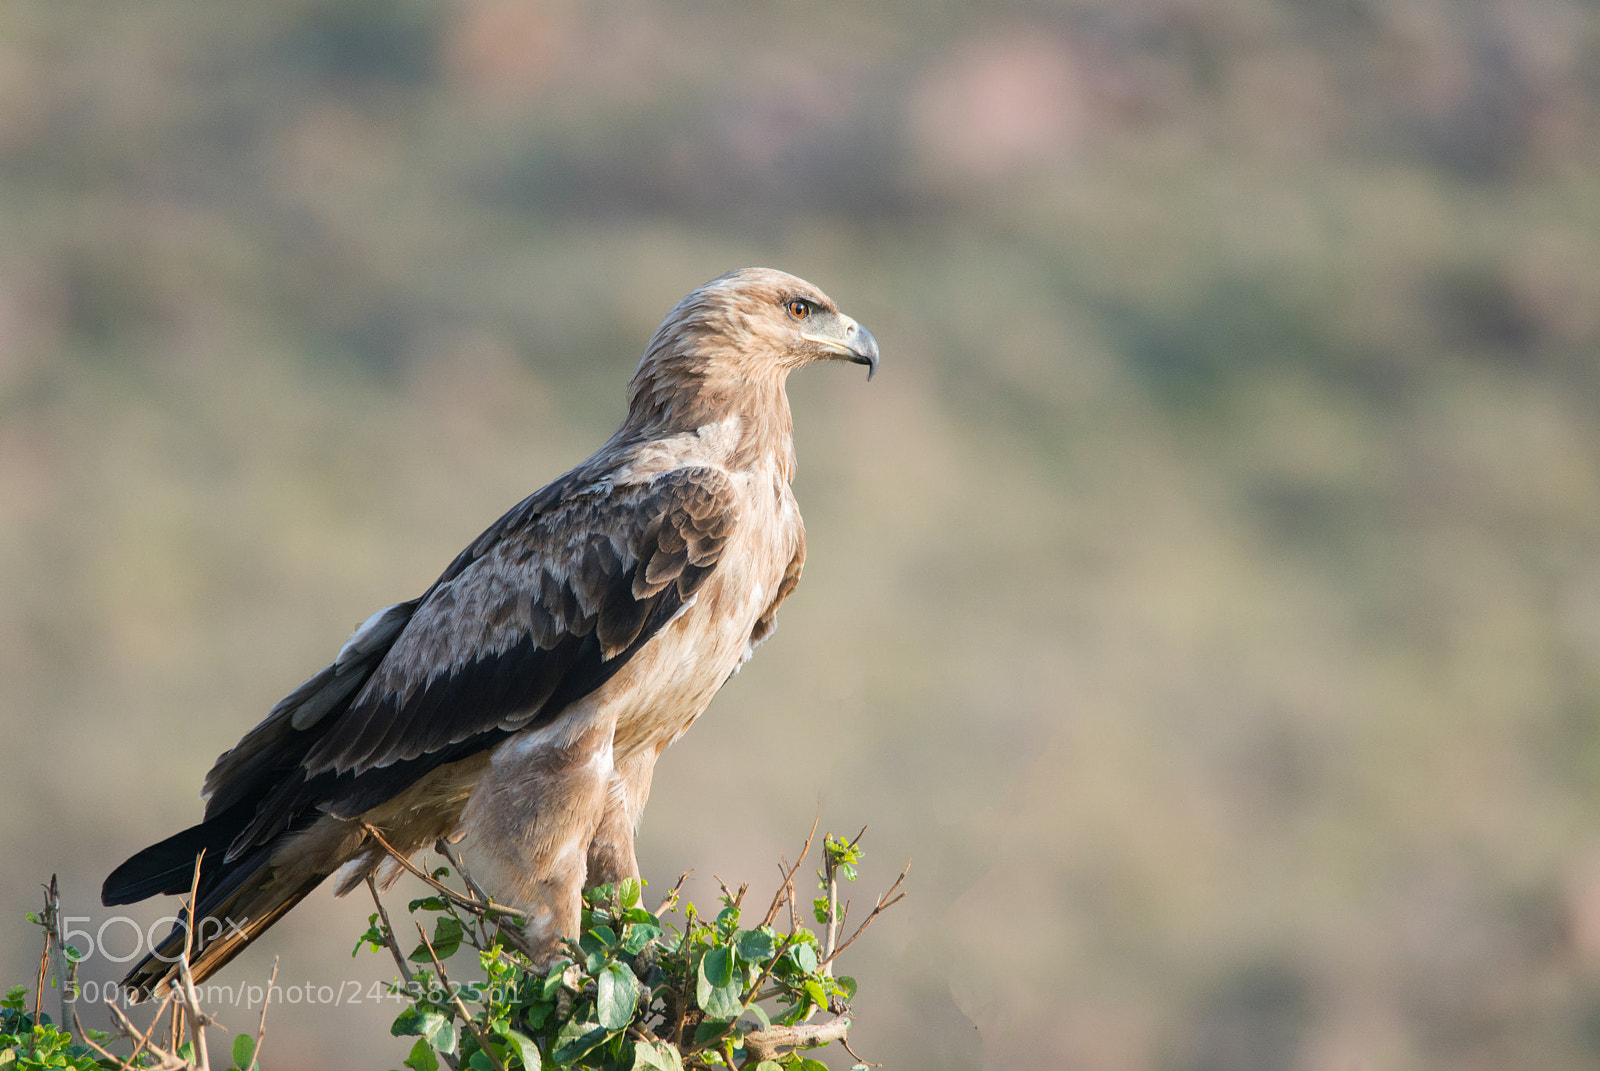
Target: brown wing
542, 609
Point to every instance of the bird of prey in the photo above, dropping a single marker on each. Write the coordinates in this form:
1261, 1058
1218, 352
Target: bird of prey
518, 706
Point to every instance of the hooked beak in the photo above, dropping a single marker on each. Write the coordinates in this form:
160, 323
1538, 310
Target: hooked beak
865, 348
854, 343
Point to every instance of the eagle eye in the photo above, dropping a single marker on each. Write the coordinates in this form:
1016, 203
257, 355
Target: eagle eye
799, 309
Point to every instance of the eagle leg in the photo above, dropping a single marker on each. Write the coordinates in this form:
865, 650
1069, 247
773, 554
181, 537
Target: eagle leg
529, 825
611, 854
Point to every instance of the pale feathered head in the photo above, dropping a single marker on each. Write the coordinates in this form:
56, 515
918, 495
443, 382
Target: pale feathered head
744, 331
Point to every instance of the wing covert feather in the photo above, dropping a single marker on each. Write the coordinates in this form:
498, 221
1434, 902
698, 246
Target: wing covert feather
548, 609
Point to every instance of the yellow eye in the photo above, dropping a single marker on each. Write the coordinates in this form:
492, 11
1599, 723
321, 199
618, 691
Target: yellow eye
799, 309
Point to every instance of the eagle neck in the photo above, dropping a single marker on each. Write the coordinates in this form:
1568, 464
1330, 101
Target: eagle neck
759, 403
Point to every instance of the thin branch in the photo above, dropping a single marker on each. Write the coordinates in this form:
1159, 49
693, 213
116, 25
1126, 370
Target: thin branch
194, 893
830, 871
133, 1031
455, 997
261, 1028
44, 962
442, 846
763, 1044
168, 1059
672, 894
846, 1043
66, 970
197, 1029
729, 897
191, 999
884, 903
463, 901
788, 879
388, 934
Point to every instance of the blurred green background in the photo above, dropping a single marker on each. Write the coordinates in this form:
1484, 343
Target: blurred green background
1206, 596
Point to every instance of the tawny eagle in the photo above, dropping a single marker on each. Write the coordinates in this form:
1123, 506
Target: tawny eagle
518, 706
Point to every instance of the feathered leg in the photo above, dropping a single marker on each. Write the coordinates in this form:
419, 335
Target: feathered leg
611, 854
530, 822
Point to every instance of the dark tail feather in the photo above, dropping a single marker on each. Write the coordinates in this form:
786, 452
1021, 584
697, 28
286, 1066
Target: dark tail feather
245, 898
168, 866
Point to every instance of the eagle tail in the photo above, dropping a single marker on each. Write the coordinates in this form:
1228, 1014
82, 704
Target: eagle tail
237, 898
167, 867
242, 901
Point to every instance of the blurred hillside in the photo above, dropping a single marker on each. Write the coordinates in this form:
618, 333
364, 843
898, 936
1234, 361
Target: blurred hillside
1206, 596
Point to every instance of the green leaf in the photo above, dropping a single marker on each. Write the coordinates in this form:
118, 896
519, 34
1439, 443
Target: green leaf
244, 1051
443, 1036
552, 980
525, 1049
819, 908
618, 992
814, 992
848, 984
427, 903
804, 956
629, 892
810, 1065
636, 935
536, 1013
755, 946
656, 1056
434, 1028
769, 1065
480, 1061
725, 1002
447, 937
716, 969
575, 1039
422, 1057
709, 1030
761, 1016
717, 991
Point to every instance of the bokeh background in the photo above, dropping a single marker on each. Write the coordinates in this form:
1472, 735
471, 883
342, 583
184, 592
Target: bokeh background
1206, 595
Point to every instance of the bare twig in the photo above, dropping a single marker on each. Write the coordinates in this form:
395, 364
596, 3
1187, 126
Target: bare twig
788, 879
463, 901
729, 897
105, 1054
442, 846
455, 997
886, 901
44, 963
129, 1063
191, 999
65, 969
831, 935
261, 1028
168, 1059
132, 1031
846, 1043
197, 1029
763, 1044
672, 894
388, 933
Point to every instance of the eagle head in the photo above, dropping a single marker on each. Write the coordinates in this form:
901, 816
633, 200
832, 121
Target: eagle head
751, 325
